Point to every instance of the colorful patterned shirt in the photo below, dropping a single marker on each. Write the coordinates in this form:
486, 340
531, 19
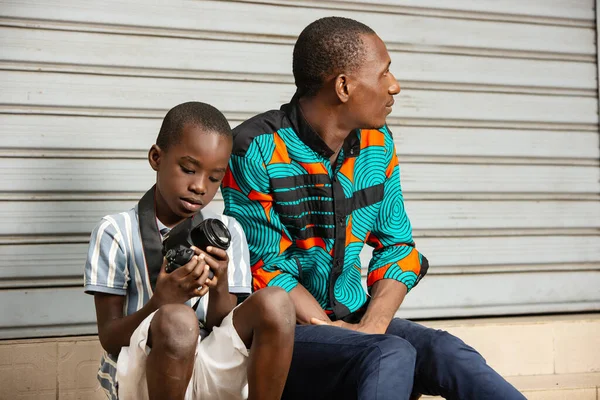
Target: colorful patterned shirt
306, 222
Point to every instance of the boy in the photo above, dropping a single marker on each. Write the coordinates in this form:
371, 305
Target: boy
150, 322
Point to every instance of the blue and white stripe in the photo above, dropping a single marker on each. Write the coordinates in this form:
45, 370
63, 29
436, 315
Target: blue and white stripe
116, 265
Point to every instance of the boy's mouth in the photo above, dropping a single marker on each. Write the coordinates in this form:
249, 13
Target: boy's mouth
192, 204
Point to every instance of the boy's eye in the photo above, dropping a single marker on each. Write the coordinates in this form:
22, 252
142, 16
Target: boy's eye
214, 180
186, 170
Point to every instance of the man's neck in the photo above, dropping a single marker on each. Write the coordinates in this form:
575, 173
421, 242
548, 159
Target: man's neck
325, 120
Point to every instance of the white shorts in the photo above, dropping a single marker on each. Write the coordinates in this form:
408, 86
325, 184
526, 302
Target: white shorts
219, 367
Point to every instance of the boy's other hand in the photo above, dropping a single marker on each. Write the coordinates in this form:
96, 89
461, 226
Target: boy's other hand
218, 260
186, 282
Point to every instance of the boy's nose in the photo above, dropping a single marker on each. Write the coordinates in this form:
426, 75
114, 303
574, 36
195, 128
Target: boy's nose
198, 187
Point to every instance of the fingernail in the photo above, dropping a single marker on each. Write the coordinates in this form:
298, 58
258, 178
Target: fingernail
201, 256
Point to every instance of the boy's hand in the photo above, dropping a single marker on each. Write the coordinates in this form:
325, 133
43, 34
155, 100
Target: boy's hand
218, 260
187, 281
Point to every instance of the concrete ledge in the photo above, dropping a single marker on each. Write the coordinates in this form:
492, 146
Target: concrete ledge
540, 345
548, 358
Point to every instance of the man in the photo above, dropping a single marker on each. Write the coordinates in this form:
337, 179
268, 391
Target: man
311, 184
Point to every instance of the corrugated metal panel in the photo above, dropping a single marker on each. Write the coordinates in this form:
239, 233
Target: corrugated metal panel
496, 129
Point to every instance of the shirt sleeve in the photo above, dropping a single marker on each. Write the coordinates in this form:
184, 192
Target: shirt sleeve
394, 254
106, 264
247, 198
240, 276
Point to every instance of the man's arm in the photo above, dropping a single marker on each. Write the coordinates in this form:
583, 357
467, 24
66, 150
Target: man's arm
247, 198
396, 266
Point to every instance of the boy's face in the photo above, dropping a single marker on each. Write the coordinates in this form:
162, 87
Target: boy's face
189, 173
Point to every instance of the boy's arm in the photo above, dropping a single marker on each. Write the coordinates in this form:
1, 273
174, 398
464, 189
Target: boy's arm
233, 274
115, 330
177, 287
106, 277
247, 197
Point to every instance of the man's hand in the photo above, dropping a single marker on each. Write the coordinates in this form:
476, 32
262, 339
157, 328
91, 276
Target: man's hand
355, 327
187, 281
218, 260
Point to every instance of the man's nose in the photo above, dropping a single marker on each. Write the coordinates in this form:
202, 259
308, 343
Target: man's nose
395, 87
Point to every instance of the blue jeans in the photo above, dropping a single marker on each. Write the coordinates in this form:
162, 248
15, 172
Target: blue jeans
333, 363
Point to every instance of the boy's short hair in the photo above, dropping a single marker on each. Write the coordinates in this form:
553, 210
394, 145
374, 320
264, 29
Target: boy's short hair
193, 112
328, 46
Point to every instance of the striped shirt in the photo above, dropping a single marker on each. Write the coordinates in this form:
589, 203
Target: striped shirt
116, 265
307, 222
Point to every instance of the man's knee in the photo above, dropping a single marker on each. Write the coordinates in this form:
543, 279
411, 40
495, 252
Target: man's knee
396, 348
388, 352
174, 328
274, 308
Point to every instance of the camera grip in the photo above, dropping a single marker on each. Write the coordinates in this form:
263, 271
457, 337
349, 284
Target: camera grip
178, 257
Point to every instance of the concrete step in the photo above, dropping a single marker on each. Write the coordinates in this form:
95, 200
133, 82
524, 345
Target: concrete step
547, 358
555, 387
537, 345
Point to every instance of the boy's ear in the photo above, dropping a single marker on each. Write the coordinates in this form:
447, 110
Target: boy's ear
154, 156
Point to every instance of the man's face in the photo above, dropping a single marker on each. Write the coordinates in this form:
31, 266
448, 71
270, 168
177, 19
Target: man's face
189, 173
374, 86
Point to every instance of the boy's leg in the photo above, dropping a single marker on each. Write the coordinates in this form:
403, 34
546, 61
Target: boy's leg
332, 363
173, 336
447, 367
265, 322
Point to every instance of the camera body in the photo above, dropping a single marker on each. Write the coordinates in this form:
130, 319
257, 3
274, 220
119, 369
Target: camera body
176, 244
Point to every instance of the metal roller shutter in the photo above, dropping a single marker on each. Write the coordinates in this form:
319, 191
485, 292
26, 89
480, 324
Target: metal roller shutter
496, 131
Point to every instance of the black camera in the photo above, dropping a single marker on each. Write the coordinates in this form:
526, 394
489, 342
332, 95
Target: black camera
176, 244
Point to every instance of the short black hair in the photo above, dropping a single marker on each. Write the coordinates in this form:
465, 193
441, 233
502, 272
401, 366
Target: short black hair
327, 47
193, 112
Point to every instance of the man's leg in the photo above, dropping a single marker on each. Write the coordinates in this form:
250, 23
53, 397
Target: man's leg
332, 363
265, 322
447, 367
173, 336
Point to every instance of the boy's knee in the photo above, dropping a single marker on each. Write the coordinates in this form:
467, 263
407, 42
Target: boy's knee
275, 308
175, 329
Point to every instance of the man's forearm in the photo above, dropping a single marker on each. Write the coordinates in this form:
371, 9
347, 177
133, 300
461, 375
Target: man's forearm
306, 305
386, 297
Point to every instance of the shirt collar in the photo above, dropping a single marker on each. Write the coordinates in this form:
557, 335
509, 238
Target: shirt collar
311, 138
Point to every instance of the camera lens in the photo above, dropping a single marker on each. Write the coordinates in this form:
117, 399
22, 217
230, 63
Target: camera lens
211, 232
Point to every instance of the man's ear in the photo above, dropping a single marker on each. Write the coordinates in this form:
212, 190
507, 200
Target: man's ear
343, 87
154, 156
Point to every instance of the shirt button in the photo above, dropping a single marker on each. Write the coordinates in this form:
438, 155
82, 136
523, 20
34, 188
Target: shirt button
342, 221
